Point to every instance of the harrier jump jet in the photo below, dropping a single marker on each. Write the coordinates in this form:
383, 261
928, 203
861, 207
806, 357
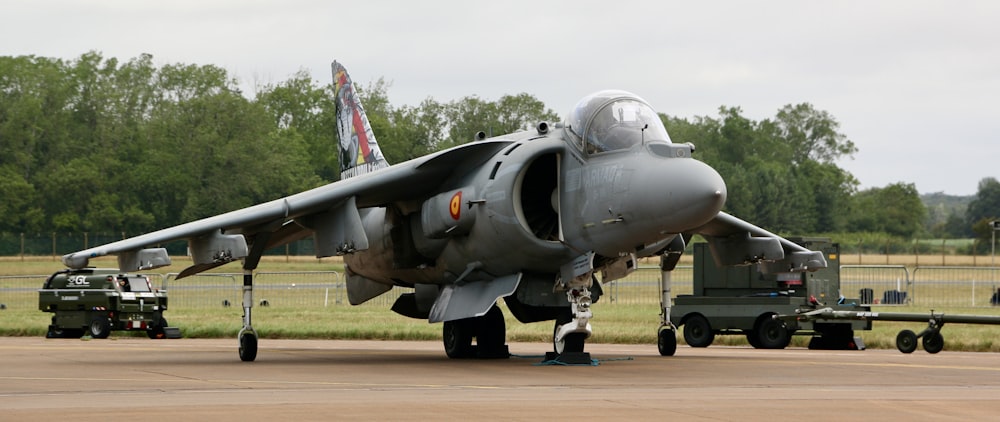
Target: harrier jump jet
530, 217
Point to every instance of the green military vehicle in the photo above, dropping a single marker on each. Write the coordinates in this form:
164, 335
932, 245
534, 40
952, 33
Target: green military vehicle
743, 301
98, 301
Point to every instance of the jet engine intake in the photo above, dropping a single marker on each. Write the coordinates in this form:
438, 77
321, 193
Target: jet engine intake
536, 202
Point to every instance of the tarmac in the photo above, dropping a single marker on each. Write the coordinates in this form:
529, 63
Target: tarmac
203, 379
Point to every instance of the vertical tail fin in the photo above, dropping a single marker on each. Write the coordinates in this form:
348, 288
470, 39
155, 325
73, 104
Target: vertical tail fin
359, 152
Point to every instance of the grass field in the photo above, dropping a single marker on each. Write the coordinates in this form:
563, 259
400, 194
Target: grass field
618, 322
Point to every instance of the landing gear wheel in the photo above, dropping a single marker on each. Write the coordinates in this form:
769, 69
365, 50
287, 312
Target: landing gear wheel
248, 346
906, 341
773, 334
571, 343
491, 335
157, 331
99, 327
666, 341
698, 332
933, 342
457, 337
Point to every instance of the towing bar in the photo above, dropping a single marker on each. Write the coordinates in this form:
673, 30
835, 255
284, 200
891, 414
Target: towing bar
906, 341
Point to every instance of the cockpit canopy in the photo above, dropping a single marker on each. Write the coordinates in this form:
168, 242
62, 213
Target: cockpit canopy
614, 120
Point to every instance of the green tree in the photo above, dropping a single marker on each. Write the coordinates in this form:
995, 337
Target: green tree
18, 202
983, 209
986, 203
301, 109
812, 134
35, 113
405, 132
779, 173
895, 209
470, 115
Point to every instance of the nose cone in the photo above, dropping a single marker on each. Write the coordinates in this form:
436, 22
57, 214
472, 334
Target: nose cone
685, 193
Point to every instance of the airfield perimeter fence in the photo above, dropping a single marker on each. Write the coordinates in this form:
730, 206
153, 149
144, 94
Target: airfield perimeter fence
895, 285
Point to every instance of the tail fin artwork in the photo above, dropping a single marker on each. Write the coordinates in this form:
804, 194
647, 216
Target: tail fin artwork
359, 151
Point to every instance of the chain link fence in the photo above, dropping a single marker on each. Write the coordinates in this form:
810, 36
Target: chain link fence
872, 284
956, 286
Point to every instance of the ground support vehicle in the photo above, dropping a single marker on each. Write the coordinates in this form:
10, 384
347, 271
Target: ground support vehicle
95, 302
744, 301
906, 340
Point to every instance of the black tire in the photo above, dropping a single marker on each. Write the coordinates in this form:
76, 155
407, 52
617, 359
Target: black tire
572, 343
933, 342
666, 342
491, 334
157, 332
698, 332
457, 336
248, 347
55, 332
773, 333
753, 340
99, 327
906, 341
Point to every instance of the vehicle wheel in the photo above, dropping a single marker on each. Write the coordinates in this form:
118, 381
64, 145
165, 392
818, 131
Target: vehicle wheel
906, 341
773, 334
99, 327
753, 340
666, 341
248, 347
933, 342
571, 343
457, 337
157, 331
698, 332
54, 332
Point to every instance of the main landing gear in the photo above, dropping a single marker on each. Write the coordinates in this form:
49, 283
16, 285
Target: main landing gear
489, 330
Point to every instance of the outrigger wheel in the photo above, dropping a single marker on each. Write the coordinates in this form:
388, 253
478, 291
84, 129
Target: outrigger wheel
666, 340
248, 346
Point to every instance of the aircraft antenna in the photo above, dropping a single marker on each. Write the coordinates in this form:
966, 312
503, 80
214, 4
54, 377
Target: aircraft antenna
642, 134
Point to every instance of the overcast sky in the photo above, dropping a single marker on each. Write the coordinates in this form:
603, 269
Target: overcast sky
913, 83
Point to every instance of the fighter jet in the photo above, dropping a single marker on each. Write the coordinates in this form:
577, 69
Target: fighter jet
531, 217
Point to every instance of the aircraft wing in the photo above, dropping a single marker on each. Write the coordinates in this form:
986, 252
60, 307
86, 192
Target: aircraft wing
737, 242
330, 212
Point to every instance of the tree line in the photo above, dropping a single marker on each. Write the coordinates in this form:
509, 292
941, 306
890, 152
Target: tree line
95, 144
